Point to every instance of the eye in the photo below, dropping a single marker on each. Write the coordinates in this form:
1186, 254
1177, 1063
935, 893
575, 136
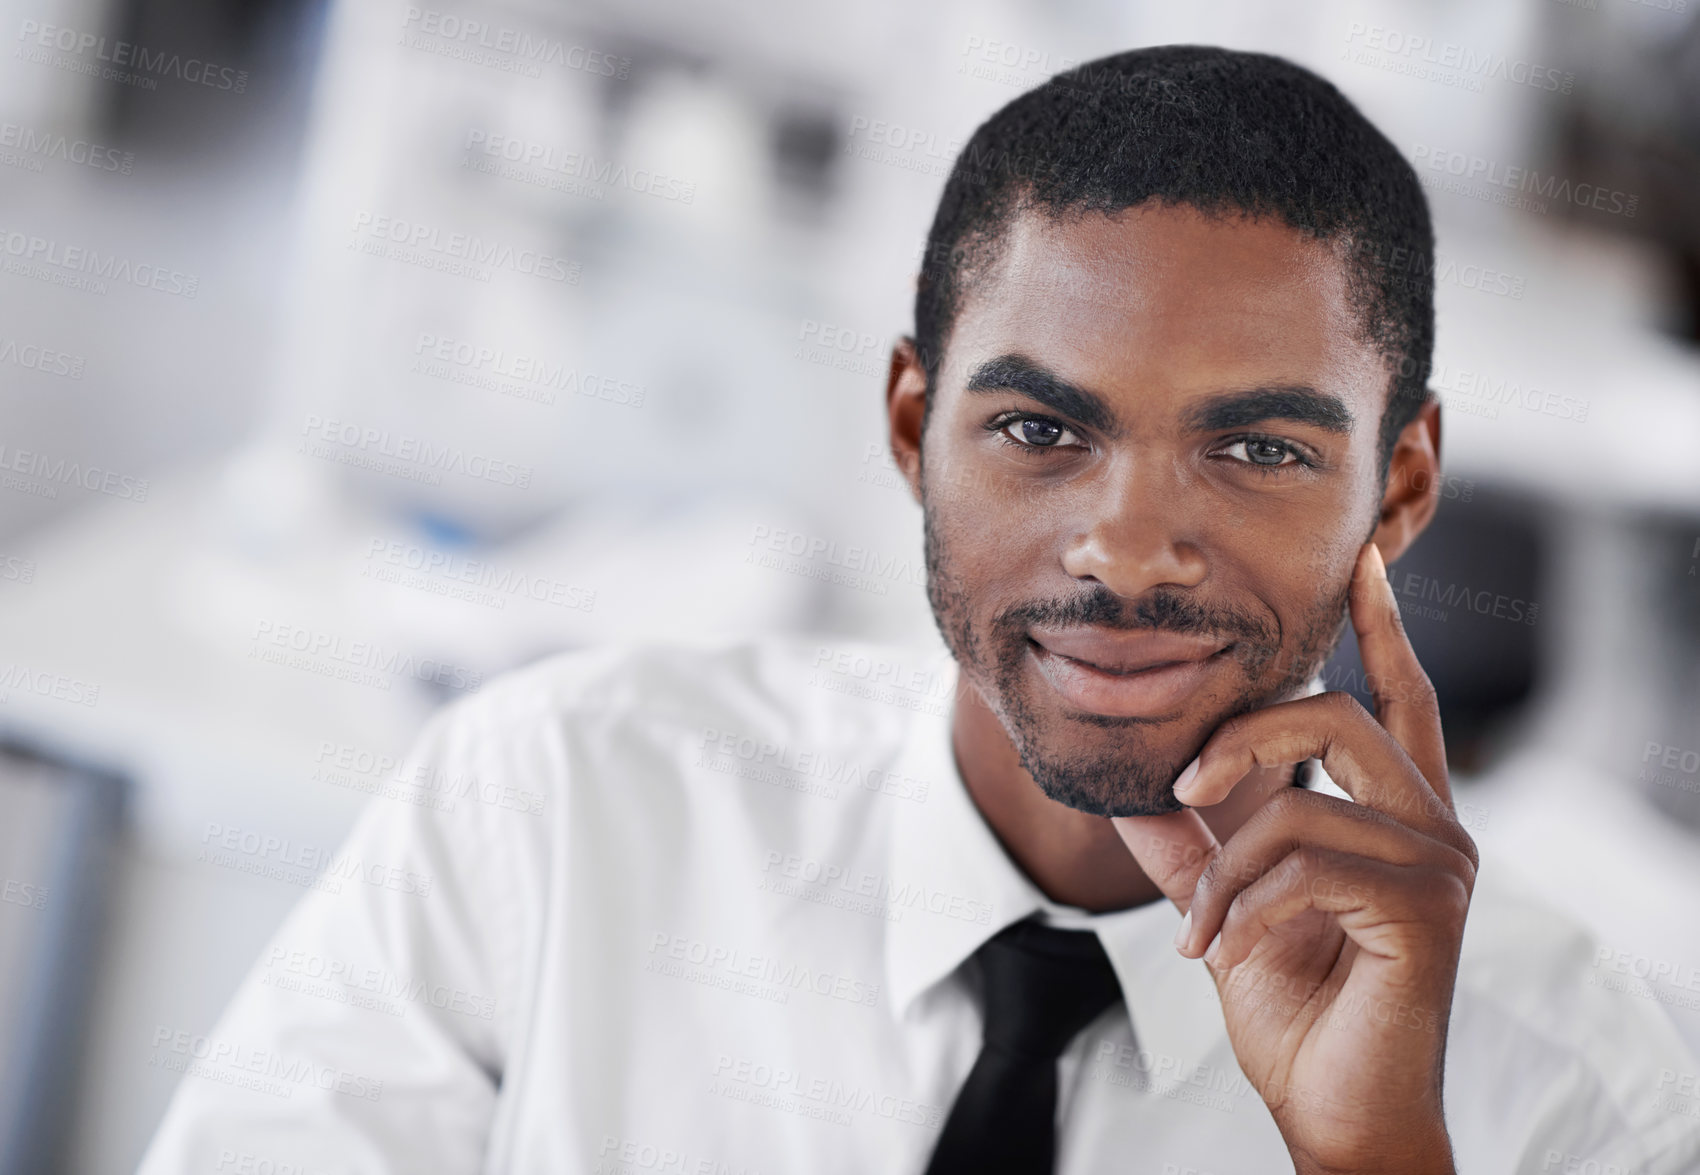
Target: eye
1265, 452
1035, 432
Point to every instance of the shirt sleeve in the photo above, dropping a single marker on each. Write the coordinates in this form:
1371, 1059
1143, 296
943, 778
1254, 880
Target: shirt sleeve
370, 1035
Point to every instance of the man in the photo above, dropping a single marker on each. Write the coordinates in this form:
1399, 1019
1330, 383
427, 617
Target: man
834, 909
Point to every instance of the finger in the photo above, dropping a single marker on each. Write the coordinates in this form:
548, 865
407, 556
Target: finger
1388, 910
1294, 820
1172, 849
1356, 751
1404, 697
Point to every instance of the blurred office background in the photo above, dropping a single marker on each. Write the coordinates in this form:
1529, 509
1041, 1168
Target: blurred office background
351, 353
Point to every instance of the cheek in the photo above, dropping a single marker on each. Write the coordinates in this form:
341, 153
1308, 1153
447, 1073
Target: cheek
992, 522
1296, 521
1299, 576
996, 553
1317, 600
1315, 564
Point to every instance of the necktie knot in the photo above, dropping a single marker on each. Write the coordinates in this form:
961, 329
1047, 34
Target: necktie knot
1042, 986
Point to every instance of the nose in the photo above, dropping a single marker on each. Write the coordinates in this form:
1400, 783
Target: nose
1132, 534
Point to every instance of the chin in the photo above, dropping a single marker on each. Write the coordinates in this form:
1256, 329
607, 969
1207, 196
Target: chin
1114, 768
1109, 786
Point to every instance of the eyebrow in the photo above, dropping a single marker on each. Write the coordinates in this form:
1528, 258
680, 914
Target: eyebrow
1017, 373
1293, 402
1297, 403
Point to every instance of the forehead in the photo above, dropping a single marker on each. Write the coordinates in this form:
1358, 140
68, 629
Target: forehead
1171, 295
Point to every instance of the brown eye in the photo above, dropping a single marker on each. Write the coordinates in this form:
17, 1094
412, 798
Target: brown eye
1038, 433
1264, 451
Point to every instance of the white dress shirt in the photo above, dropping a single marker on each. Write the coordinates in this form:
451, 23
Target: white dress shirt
707, 913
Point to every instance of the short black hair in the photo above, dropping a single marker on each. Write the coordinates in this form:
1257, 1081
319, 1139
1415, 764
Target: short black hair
1216, 129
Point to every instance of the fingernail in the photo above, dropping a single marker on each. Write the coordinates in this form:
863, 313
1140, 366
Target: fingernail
1215, 948
1186, 777
1185, 932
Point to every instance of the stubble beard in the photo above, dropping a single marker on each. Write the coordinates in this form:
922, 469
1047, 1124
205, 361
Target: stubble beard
1130, 777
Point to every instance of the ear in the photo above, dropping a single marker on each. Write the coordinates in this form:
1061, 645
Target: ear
906, 410
1413, 484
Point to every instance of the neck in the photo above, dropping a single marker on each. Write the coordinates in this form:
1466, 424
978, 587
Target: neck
1076, 859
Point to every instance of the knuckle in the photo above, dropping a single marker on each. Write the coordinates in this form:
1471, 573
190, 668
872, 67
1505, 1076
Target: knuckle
1212, 883
1343, 707
1451, 897
1396, 620
1231, 732
1445, 827
1420, 690
1306, 862
1228, 874
1421, 809
1339, 699
1452, 860
1284, 807
1466, 848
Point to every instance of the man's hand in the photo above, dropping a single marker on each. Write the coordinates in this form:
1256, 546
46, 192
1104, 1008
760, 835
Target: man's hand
1336, 925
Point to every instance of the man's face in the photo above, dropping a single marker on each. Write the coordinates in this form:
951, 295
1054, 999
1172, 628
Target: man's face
1149, 463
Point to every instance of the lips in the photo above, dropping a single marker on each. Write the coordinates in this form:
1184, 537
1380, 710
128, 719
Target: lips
1126, 674
1127, 652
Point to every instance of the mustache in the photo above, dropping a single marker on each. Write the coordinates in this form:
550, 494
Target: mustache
1165, 609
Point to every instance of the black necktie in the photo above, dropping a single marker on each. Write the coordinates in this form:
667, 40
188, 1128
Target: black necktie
1042, 986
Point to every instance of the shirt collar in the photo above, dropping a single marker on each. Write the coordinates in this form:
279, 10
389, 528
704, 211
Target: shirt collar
944, 850
943, 846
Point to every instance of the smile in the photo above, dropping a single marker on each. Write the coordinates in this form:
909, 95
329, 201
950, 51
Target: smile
1125, 674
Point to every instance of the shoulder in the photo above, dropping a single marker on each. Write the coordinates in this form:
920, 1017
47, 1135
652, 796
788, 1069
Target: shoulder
1556, 1051
1543, 968
571, 713
779, 679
